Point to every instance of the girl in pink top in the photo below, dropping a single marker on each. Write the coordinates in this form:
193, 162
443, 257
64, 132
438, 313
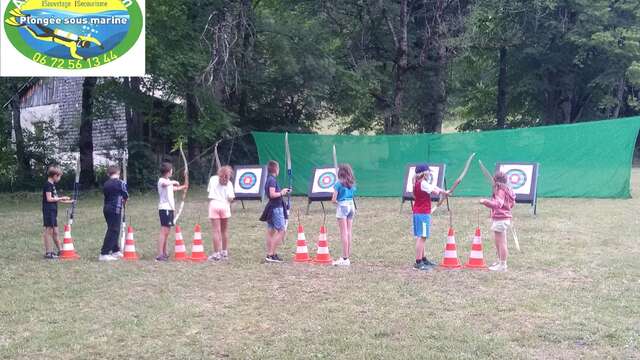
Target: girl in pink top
502, 201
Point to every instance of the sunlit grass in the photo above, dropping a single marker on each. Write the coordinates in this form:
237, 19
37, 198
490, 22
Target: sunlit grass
573, 291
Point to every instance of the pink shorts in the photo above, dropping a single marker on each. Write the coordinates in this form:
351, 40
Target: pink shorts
219, 210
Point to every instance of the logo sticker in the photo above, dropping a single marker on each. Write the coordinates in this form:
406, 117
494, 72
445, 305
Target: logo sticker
73, 34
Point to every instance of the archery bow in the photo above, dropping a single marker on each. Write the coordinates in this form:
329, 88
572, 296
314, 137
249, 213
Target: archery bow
335, 160
76, 190
455, 183
217, 157
487, 175
287, 153
186, 183
123, 219
335, 167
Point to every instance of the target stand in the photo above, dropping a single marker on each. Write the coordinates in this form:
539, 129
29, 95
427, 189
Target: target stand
522, 177
321, 186
436, 178
248, 182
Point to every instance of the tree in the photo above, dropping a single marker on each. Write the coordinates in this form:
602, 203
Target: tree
85, 137
566, 61
11, 89
399, 52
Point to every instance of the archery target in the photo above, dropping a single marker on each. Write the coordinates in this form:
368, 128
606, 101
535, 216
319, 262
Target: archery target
248, 181
436, 177
326, 181
432, 179
519, 177
516, 178
323, 180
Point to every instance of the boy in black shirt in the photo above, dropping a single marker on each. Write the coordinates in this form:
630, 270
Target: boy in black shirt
50, 200
115, 196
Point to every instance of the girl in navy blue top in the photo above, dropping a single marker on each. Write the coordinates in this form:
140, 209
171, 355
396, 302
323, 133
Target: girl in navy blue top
274, 214
343, 193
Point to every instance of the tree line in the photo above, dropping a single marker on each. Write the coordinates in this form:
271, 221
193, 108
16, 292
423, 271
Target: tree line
360, 66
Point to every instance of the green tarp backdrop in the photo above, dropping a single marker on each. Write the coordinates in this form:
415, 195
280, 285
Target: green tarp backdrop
591, 159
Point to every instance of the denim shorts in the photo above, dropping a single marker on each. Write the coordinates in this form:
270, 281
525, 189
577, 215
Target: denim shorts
346, 209
422, 225
277, 221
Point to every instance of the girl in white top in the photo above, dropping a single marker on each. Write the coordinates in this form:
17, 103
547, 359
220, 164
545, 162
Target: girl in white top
166, 207
220, 195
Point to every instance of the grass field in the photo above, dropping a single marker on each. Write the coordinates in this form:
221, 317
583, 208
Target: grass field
573, 291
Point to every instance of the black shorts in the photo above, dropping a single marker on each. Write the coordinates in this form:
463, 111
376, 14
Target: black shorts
166, 217
50, 217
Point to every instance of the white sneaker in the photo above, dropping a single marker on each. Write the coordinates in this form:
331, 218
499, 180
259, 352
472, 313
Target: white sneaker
224, 254
215, 257
118, 254
342, 262
107, 258
498, 267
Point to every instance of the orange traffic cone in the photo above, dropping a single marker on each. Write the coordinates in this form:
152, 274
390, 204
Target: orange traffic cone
130, 246
302, 252
323, 256
450, 260
476, 257
180, 252
68, 252
197, 250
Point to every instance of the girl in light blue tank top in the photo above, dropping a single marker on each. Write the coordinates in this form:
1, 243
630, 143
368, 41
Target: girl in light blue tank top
343, 193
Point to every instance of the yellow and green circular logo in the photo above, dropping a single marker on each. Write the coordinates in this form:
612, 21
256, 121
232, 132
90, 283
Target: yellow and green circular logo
73, 34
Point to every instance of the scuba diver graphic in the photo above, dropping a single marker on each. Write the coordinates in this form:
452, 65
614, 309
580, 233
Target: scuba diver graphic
58, 36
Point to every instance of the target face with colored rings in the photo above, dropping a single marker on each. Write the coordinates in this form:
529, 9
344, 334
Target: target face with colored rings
516, 178
248, 180
326, 180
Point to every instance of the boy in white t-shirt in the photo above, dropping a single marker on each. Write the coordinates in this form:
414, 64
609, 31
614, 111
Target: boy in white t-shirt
220, 195
166, 207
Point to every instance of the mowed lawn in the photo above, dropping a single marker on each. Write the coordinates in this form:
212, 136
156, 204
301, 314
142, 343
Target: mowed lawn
573, 291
